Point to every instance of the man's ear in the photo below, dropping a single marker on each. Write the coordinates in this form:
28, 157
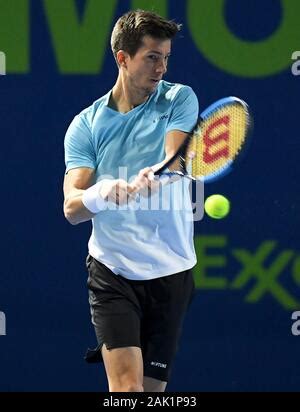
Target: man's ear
122, 57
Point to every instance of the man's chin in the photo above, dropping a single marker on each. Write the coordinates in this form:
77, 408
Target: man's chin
152, 88
149, 90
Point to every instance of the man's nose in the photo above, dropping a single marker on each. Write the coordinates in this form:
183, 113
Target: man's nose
162, 67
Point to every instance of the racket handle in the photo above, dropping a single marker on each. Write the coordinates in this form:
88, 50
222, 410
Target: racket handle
172, 174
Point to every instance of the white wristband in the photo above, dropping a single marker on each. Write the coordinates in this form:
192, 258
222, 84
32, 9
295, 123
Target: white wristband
92, 198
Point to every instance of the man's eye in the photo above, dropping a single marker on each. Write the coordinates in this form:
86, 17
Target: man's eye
152, 57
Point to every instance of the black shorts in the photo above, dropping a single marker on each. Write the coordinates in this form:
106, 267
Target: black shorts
143, 313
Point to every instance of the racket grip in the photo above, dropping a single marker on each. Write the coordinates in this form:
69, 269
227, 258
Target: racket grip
173, 174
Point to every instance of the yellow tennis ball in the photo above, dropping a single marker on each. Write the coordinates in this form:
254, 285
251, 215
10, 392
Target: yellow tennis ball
217, 206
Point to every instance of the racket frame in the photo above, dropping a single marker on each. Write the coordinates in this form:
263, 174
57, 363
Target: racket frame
227, 167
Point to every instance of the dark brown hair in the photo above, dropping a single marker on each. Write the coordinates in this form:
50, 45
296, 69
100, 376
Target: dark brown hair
130, 29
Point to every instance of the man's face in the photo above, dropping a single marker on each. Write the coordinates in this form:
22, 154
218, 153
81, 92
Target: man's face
147, 67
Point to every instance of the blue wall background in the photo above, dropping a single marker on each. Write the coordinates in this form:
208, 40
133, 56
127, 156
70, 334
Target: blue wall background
235, 338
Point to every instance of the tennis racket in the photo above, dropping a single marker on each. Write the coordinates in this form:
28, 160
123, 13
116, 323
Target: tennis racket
218, 139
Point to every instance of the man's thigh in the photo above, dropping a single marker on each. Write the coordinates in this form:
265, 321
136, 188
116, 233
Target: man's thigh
123, 365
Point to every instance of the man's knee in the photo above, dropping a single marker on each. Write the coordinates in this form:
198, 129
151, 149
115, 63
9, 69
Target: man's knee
126, 386
154, 385
129, 380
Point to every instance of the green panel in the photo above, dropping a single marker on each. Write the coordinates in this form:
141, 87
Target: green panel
80, 46
264, 278
202, 279
159, 6
239, 57
14, 34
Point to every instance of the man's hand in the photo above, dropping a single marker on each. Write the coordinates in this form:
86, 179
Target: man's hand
147, 184
117, 191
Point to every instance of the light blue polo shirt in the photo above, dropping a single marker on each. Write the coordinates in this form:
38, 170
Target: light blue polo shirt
152, 237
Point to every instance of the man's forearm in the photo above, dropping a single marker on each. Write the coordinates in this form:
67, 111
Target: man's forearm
75, 211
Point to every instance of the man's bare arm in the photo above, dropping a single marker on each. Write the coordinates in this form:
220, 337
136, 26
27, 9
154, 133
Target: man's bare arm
144, 179
174, 140
76, 181
84, 198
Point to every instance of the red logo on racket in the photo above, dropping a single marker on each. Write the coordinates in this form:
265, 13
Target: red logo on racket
210, 140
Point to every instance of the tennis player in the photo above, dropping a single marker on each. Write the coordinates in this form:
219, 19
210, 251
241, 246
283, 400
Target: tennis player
139, 261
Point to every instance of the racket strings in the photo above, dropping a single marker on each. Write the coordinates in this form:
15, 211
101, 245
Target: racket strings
217, 141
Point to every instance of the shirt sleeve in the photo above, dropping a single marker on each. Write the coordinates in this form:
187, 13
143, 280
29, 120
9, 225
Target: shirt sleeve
79, 151
185, 111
